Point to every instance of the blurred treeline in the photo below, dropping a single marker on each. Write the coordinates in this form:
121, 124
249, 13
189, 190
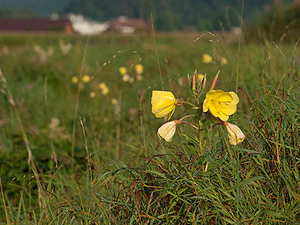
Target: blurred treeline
279, 23
276, 20
172, 15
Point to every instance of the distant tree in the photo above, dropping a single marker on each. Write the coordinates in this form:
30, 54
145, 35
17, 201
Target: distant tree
4, 12
25, 13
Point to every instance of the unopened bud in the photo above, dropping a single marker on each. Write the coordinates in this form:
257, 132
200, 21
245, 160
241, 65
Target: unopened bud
213, 84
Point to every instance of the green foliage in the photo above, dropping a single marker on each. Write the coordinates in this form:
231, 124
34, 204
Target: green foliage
279, 24
106, 165
172, 15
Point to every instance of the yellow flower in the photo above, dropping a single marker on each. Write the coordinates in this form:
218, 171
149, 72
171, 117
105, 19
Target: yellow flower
86, 78
167, 130
220, 104
163, 103
224, 61
235, 135
114, 101
105, 90
75, 80
206, 58
102, 85
139, 68
123, 70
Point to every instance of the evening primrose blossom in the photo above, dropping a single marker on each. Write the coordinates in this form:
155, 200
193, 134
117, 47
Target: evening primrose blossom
167, 130
224, 61
235, 135
86, 78
123, 70
104, 88
206, 58
75, 79
139, 68
220, 104
163, 103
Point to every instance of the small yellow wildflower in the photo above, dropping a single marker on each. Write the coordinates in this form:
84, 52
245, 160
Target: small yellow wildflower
220, 104
114, 101
163, 103
105, 90
206, 58
167, 130
102, 85
123, 70
224, 61
75, 80
139, 68
86, 78
235, 135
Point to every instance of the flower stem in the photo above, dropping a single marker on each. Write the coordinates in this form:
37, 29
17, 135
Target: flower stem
191, 104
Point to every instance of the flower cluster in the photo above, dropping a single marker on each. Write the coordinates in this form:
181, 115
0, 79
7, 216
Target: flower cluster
206, 58
217, 107
86, 79
137, 73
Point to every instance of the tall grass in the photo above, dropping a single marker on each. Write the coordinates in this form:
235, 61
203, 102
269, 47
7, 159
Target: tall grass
118, 171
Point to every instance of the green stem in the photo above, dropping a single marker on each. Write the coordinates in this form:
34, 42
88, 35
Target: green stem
191, 104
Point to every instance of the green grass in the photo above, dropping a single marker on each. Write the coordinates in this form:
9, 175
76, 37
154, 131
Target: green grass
104, 164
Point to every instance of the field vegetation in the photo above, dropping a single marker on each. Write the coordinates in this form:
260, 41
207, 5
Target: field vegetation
77, 149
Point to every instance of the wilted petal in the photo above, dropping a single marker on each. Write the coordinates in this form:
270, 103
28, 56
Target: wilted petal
167, 130
235, 135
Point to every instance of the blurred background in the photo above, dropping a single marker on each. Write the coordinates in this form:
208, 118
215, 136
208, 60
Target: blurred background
262, 18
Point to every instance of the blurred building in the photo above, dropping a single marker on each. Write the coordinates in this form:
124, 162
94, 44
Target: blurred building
36, 25
84, 26
126, 25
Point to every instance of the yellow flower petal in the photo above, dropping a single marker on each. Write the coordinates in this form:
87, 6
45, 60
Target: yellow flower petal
220, 104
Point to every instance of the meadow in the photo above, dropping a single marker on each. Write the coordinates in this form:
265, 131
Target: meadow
77, 149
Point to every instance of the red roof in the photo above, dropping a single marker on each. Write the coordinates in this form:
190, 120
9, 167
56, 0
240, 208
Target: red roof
138, 24
33, 24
